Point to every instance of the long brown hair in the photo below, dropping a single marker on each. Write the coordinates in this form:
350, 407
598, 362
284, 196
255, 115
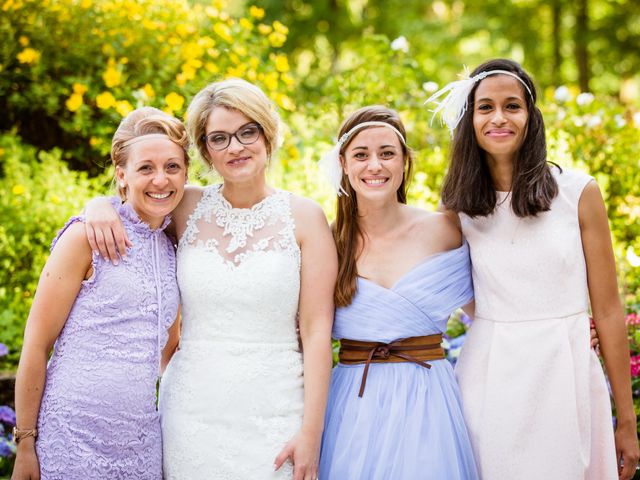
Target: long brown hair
468, 186
346, 229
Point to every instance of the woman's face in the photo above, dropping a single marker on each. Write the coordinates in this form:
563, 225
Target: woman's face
241, 160
500, 116
374, 163
154, 178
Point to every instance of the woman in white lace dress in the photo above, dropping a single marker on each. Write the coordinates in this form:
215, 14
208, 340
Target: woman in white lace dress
252, 260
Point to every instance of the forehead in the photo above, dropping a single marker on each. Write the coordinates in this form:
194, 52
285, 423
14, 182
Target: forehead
226, 120
156, 148
374, 137
499, 86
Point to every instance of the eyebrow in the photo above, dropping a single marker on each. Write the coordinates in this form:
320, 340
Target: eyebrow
509, 99
237, 130
364, 147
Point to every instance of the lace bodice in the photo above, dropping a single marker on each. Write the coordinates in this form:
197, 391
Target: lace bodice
236, 233
235, 385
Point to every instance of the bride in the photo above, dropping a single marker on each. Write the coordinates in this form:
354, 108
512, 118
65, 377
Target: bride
251, 262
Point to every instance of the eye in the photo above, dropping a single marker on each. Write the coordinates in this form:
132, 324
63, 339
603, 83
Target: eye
218, 139
249, 132
360, 156
484, 107
388, 154
172, 167
144, 168
514, 106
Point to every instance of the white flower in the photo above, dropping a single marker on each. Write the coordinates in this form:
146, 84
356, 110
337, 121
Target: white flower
430, 87
562, 94
636, 119
632, 258
561, 114
400, 43
584, 98
620, 121
594, 121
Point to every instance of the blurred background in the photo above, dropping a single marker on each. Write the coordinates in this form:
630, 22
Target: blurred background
71, 69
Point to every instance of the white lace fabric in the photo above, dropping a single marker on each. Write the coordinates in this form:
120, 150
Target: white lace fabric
232, 396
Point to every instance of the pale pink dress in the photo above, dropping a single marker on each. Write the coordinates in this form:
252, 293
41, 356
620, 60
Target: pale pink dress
534, 394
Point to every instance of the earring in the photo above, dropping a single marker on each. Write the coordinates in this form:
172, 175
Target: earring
122, 185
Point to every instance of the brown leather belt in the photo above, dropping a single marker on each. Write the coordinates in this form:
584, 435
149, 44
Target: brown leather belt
414, 349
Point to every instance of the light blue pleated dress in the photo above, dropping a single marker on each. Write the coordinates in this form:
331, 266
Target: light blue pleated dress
408, 425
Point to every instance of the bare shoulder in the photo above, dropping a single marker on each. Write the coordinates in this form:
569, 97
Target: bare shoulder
191, 197
73, 245
591, 206
308, 216
439, 228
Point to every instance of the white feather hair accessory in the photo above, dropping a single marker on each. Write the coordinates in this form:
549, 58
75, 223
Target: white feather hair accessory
452, 107
330, 164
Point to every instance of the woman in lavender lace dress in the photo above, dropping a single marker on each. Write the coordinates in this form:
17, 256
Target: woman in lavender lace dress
90, 414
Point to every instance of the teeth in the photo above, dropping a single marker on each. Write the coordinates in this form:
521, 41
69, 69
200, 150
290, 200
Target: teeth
377, 181
159, 196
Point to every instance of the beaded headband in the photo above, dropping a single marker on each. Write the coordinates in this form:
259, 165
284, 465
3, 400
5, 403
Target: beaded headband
330, 161
452, 107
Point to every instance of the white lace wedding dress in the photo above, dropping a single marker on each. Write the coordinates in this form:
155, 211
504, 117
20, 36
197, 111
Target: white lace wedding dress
232, 396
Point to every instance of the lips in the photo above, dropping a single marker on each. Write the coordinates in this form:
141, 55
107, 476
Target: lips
159, 196
238, 161
375, 181
499, 133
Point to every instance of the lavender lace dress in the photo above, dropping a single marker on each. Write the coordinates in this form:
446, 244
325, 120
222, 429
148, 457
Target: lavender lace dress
98, 417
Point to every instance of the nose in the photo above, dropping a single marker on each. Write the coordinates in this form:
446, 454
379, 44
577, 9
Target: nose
234, 145
160, 179
374, 163
498, 117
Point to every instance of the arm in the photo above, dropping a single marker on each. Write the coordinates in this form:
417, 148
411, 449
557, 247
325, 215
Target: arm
172, 344
609, 320
57, 290
316, 309
105, 231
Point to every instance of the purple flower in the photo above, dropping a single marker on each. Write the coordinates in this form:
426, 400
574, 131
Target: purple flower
7, 415
4, 350
7, 448
466, 319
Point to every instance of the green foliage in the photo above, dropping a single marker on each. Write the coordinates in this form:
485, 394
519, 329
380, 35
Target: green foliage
38, 193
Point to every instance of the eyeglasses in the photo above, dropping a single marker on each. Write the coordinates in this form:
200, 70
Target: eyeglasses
246, 135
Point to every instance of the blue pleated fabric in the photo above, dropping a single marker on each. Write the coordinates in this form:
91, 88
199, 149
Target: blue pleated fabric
409, 423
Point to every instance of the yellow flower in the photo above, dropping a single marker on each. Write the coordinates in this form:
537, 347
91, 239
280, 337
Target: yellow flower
149, 91
86, 4
95, 141
112, 76
28, 55
284, 101
277, 39
264, 29
282, 63
256, 12
271, 81
223, 32
174, 101
23, 40
18, 189
246, 24
280, 28
74, 102
55, 199
211, 67
123, 107
79, 88
105, 100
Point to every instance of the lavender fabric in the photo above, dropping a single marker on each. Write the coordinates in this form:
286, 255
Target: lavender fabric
98, 415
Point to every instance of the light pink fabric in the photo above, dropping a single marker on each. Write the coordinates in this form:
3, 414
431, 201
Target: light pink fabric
534, 393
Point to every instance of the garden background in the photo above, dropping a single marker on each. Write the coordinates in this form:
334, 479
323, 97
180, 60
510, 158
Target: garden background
71, 69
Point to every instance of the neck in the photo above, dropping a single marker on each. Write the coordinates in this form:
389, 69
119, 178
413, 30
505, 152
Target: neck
245, 194
501, 169
378, 218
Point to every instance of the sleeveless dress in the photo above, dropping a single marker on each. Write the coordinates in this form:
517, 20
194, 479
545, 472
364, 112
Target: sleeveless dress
98, 415
408, 425
232, 395
534, 393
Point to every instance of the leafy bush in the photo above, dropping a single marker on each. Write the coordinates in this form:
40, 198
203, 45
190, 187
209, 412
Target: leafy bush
38, 193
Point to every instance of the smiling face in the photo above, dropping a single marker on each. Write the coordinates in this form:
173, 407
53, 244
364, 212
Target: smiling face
374, 163
154, 176
500, 116
237, 162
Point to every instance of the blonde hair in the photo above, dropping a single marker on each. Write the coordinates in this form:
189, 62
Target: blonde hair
233, 94
146, 121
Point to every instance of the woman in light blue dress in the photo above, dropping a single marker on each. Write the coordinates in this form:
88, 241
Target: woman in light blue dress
394, 408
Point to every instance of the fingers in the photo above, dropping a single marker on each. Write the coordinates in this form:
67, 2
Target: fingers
285, 453
629, 467
91, 237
